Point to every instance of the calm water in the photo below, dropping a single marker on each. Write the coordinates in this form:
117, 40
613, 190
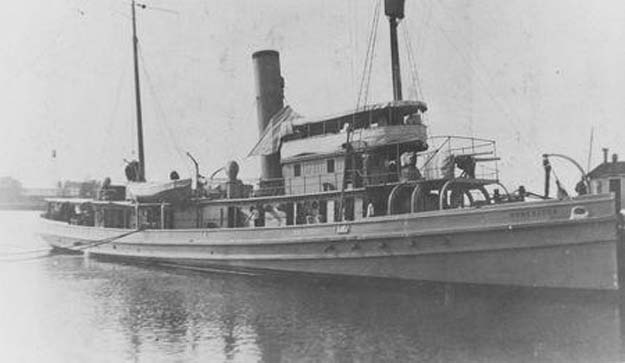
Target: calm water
73, 309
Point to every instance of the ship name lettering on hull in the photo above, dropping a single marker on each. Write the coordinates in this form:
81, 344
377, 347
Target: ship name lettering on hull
533, 214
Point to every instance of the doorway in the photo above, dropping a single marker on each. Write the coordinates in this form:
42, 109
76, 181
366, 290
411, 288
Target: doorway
615, 187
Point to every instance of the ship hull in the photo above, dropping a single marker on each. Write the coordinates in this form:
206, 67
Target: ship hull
525, 244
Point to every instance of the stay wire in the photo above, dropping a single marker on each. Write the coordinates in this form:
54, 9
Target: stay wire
162, 116
368, 56
414, 71
509, 117
371, 57
512, 118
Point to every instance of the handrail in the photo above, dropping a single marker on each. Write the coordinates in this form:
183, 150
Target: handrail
455, 145
332, 181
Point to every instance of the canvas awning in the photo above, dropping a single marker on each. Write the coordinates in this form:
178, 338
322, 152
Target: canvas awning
284, 121
280, 125
399, 107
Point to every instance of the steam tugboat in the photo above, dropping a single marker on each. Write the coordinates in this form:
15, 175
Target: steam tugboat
362, 193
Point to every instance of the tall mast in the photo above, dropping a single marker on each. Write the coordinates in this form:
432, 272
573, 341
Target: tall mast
135, 41
394, 10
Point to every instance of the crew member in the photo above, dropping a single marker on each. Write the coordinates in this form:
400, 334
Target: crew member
370, 209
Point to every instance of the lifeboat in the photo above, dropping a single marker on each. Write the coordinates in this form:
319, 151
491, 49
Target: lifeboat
149, 192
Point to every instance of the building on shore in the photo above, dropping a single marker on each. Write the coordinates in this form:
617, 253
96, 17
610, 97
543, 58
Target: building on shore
609, 177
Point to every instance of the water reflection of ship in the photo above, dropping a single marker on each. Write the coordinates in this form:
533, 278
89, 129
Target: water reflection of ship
195, 315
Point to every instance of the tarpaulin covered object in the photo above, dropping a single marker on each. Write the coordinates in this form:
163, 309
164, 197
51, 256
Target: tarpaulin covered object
284, 121
363, 138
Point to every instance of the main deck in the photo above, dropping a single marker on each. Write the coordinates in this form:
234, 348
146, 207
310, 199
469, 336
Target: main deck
546, 243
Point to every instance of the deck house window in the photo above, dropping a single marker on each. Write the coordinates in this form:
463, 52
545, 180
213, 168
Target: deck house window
317, 129
330, 165
297, 170
332, 127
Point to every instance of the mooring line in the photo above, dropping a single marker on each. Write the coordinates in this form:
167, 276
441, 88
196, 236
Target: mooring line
25, 252
22, 259
103, 241
8, 256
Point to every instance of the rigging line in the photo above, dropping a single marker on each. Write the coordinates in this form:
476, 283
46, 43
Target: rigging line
164, 10
161, 112
422, 36
412, 63
368, 58
118, 91
435, 153
509, 116
95, 243
88, 244
451, 14
365, 64
348, 131
368, 52
159, 107
368, 70
476, 25
471, 59
372, 56
413, 87
143, 5
415, 67
351, 35
25, 252
27, 258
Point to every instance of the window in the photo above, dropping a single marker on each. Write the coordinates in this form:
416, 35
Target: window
297, 169
332, 127
330, 165
316, 129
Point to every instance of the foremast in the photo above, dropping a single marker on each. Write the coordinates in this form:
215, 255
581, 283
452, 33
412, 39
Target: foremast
135, 42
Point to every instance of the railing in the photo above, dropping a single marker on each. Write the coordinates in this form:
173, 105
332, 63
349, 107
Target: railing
293, 185
436, 163
319, 183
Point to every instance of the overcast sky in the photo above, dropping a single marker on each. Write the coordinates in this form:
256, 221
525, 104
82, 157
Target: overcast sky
533, 75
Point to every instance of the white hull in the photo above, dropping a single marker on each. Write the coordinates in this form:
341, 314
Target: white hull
526, 244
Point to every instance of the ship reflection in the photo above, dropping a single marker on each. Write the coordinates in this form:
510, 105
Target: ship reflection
193, 316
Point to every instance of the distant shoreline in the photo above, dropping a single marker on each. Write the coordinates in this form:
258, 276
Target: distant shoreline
23, 206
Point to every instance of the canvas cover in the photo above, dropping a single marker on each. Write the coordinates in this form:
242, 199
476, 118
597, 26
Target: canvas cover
283, 122
168, 191
361, 139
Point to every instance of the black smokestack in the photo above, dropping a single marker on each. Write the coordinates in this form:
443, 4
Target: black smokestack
269, 100
605, 155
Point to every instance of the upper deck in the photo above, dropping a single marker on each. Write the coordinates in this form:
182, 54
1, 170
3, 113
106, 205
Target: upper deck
394, 113
287, 129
